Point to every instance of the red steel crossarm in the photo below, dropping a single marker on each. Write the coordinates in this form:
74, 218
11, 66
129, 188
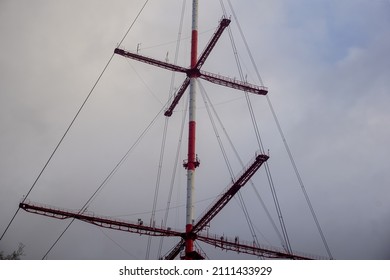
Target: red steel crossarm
99, 221
172, 254
225, 197
239, 246
209, 47
233, 83
177, 97
206, 52
247, 248
195, 71
151, 61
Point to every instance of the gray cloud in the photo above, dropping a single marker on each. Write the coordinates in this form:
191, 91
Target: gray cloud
326, 65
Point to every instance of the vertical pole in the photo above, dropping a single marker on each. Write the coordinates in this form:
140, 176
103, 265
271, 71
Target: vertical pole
192, 161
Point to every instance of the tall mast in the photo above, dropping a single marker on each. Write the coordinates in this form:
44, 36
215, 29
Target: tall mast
192, 162
192, 230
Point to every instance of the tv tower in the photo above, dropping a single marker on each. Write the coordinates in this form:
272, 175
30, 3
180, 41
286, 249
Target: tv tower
193, 228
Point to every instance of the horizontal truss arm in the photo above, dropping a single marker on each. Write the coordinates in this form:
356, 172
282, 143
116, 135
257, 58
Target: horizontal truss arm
233, 83
247, 248
99, 221
238, 246
151, 61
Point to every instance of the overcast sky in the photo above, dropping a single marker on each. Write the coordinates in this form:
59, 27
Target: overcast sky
326, 64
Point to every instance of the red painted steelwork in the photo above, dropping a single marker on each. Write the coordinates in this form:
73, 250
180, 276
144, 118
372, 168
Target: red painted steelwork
213, 78
192, 161
105, 222
189, 239
211, 44
194, 48
233, 83
175, 251
225, 197
177, 97
151, 61
196, 64
224, 243
249, 248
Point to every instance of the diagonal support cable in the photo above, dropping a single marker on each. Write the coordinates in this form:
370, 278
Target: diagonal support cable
73, 121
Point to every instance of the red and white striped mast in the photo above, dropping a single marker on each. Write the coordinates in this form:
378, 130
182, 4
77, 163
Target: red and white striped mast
192, 161
192, 230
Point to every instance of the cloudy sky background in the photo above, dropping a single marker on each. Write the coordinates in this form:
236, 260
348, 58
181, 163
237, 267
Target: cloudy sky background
326, 64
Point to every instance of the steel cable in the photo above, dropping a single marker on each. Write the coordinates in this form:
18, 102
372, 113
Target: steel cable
66, 132
258, 137
241, 200
242, 165
284, 140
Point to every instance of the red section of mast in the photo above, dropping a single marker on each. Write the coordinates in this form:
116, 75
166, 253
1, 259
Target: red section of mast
194, 48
